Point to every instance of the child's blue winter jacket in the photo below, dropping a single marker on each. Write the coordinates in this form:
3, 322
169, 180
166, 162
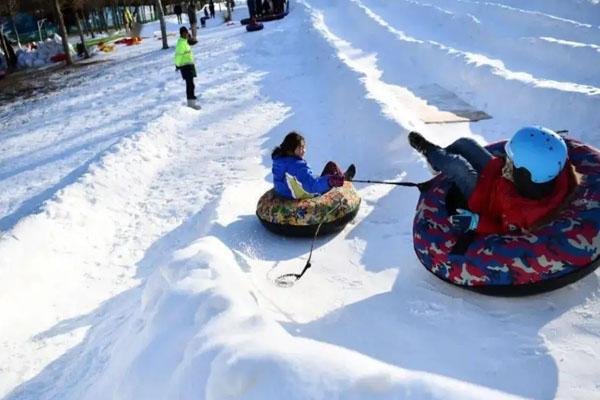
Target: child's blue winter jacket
293, 179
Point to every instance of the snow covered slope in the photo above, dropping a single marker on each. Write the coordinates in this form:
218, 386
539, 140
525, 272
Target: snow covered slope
132, 264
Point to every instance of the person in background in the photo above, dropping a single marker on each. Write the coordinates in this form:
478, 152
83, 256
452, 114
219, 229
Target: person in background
251, 8
293, 178
211, 8
504, 194
258, 8
266, 7
128, 18
178, 11
277, 6
184, 63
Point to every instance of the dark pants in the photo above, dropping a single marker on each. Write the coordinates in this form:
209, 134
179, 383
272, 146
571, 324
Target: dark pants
331, 168
179, 19
188, 73
461, 163
189, 89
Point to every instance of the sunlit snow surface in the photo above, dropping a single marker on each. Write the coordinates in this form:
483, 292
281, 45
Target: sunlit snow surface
132, 264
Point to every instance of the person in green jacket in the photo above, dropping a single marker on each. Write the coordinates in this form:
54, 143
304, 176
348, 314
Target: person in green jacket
184, 63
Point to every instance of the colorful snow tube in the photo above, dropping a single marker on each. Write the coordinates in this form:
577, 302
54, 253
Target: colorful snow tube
558, 253
302, 217
254, 27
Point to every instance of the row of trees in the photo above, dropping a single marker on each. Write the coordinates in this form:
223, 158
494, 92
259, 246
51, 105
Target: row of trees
87, 16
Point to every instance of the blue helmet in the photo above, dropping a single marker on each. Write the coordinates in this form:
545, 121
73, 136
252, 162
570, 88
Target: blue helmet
539, 150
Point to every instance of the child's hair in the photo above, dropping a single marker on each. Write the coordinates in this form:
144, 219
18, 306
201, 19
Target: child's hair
290, 143
182, 30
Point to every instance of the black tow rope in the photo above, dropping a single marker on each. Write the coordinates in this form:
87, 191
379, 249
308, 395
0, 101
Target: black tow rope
288, 280
422, 186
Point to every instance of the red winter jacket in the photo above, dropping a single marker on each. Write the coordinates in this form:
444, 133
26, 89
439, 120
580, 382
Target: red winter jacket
501, 208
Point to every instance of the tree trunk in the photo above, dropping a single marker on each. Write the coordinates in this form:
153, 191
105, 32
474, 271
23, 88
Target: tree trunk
63, 32
121, 17
103, 19
80, 31
90, 22
12, 17
95, 24
228, 16
116, 18
86, 25
163, 25
11, 58
98, 20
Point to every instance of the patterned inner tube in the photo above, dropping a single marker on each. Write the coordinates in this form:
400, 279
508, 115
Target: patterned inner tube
302, 217
557, 253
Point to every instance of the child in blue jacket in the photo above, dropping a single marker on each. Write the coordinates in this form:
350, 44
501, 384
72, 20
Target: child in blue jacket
293, 178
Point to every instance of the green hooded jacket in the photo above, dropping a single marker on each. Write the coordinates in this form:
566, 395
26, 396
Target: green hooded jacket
183, 53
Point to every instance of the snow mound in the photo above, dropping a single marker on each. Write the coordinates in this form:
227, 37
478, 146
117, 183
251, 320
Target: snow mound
200, 311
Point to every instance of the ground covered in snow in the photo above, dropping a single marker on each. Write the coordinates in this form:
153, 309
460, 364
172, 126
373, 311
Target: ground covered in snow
132, 264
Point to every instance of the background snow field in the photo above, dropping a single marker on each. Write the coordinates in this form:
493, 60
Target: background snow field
132, 264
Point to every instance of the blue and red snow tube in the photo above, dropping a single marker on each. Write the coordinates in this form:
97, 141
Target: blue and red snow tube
557, 253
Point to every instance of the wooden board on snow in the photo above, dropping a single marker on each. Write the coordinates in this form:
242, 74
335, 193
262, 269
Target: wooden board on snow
441, 106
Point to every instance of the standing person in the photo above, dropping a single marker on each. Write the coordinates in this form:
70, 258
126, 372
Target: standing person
184, 63
178, 11
191, 12
277, 6
128, 19
258, 7
504, 194
211, 8
251, 8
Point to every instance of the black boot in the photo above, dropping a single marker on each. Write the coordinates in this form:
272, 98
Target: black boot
419, 143
350, 172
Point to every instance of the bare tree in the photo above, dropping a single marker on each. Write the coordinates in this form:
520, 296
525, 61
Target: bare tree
63, 31
13, 8
77, 7
163, 25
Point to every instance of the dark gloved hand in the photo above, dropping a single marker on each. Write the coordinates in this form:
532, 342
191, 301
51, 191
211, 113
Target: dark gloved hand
464, 220
336, 181
176, 68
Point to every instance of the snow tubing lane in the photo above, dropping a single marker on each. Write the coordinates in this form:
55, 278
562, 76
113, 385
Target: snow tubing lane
301, 218
556, 254
254, 27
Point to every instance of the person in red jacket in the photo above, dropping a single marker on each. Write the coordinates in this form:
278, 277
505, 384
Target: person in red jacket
504, 194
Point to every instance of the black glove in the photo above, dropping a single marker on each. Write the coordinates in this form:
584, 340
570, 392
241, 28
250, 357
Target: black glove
464, 220
176, 68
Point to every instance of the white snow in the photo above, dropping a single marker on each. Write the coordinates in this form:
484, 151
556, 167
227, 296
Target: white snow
132, 264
